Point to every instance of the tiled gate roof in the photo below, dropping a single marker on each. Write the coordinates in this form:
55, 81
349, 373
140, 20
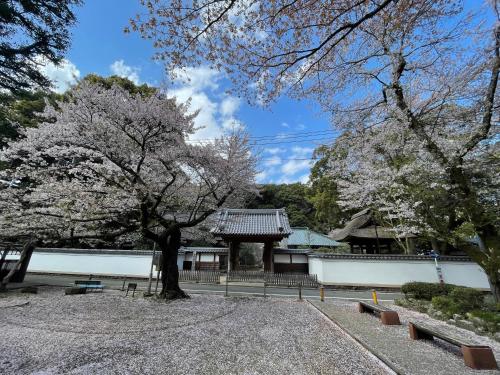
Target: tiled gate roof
252, 222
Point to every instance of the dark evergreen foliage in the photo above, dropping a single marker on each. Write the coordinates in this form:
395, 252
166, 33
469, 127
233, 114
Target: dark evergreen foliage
32, 31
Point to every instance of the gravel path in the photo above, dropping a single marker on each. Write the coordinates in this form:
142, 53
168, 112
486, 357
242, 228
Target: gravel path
110, 334
394, 344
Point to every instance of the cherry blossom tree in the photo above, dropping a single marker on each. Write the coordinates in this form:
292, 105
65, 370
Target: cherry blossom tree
426, 67
114, 165
422, 69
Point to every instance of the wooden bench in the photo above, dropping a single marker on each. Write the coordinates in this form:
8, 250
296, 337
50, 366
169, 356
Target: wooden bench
89, 284
387, 316
479, 357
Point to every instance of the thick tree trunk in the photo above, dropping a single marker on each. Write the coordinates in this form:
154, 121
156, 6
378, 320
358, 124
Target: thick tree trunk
489, 246
494, 281
25, 254
169, 246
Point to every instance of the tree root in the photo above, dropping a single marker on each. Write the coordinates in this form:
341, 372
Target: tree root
171, 294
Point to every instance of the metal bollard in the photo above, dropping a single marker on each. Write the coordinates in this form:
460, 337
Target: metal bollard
374, 297
300, 291
265, 289
322, 293
123, 285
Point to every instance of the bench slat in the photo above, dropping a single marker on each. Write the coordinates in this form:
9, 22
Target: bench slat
444, 336
374, 307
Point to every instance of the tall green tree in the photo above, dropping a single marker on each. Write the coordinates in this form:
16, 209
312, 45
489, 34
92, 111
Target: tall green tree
32, 32
293, 197
22, 111
323, 193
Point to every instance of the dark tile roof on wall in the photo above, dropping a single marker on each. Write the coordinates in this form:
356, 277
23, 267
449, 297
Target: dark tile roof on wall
252, 222
291, 251
214, 250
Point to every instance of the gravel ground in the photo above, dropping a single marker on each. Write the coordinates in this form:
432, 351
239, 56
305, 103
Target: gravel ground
107, 333
394, 344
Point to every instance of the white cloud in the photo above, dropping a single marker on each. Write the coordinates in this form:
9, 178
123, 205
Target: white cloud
300, 127
120, 69
261, 177
275, 160
229, 106
197, 78
304, 179
62, 76
274, 150
200, 85
302, 151
292, 167
285, 125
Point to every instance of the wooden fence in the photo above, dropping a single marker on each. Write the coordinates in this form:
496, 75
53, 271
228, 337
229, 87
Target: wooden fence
200, 276
279, 279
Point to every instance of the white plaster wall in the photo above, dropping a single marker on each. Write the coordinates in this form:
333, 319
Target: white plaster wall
131, 265
395, 273
466, 273
299, 258
209, 258
180, 261
282, 258
316, 268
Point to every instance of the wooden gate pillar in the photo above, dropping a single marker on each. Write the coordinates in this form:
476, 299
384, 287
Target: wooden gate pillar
268, 257
234, 255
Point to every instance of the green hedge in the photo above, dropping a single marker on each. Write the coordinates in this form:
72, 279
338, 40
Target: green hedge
467, 299
460, 300
426, 291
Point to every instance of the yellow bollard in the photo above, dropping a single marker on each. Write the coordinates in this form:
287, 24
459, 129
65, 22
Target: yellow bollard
374, 297
322, 294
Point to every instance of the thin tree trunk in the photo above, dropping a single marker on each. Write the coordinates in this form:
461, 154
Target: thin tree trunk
169, 246
25, 253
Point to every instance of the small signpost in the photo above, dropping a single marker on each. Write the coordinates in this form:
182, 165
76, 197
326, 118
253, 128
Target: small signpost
439, 271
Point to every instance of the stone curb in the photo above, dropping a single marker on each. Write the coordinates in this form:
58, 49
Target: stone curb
365, 345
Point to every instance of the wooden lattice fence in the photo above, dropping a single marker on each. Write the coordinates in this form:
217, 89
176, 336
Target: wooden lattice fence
278, 279
200, 276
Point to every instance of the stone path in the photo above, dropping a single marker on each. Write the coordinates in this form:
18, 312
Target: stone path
393, 345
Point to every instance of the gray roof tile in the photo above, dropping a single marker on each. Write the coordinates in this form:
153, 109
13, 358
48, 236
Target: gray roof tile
252, 222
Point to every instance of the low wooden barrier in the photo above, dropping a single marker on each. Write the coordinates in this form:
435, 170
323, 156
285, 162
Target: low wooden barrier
278, 279
200, 276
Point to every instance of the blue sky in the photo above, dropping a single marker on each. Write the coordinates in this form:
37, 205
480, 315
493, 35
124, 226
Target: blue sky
285, 134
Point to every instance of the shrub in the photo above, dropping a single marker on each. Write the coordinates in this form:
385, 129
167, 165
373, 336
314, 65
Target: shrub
446, 305
467, 299
490, 320
426, 291
419, 305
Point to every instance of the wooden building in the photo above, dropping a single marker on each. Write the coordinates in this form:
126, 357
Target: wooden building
202, 258
366, 236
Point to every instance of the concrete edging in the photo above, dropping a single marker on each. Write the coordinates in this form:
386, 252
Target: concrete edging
373, 351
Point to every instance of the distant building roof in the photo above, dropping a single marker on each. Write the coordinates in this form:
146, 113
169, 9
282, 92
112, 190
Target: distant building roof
362, 225
214, 250
252, 223
292, 251
302, 236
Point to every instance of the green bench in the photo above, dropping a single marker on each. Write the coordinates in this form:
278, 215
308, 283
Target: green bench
479, 357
